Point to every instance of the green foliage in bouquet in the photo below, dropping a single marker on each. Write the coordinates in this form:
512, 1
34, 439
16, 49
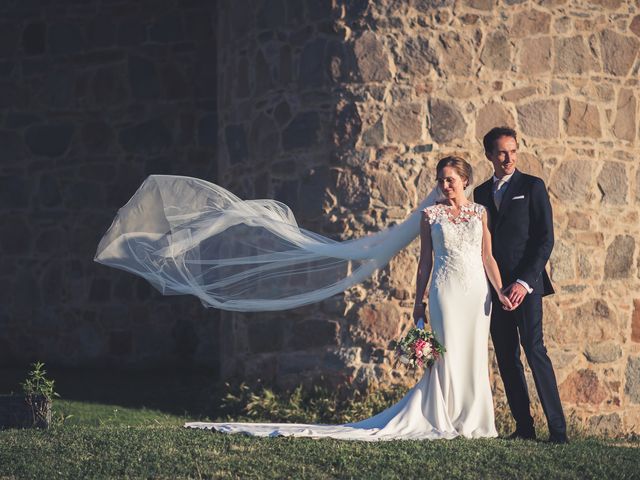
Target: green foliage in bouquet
418, 347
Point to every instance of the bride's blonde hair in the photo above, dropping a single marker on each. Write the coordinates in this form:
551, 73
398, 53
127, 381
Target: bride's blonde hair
460, 165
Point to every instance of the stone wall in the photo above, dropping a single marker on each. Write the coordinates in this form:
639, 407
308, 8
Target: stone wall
407, 82
95, 96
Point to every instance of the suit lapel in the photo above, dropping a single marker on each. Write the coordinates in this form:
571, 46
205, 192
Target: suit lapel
512, 186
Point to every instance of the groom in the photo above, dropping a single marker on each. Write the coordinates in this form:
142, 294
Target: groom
521, 225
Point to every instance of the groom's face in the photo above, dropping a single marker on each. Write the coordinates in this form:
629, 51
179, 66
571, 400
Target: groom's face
504, 156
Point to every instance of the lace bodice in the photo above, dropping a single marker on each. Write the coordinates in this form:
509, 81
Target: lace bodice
457, 243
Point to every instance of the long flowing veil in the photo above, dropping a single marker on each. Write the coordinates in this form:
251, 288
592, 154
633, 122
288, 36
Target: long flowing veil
189, 236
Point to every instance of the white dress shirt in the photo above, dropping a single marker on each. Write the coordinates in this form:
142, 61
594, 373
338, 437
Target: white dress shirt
503, 181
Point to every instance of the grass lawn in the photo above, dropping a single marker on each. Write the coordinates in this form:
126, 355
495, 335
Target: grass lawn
107, 440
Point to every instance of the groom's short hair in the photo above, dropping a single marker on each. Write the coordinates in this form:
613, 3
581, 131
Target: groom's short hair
489, 140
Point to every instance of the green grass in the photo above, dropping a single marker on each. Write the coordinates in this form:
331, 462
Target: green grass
93, 439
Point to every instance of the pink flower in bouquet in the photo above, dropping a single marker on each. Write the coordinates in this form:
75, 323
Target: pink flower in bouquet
418, 347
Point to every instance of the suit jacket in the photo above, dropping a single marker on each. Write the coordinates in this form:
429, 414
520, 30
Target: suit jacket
522, 231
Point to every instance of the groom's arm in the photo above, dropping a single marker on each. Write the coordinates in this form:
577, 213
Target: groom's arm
540, 243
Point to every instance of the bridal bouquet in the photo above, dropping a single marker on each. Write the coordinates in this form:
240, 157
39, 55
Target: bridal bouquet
418, 348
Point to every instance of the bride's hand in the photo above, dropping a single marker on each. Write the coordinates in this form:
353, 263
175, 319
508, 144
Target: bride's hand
506, 303
419, 312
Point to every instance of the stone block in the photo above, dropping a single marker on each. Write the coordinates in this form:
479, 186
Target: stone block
581, 119
49, 140
34, 38
378, 324
480, 4
457, 54
582, 386
618, 52
497, 52
539, 118
144, 79
314, 334
535, 56
265, 335
372, 58
530, 22
572, 56
571, 180
392, 191
446, 123
562, 262
619, 259
605, 352
634, 26
492, 115
632, 379
613, 183
352, 190
635, 321
148, 137
403, 123
302, 132
313, 66
592, 321
420, 57
65, 38
608, 425
625, 126
97, 136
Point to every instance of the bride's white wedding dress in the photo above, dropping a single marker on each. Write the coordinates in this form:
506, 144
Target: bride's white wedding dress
453, 398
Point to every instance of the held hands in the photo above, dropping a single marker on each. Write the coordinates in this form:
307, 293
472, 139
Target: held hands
419, 312
512, 296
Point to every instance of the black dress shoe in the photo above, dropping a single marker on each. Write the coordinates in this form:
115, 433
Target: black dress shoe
558, 439
518, 435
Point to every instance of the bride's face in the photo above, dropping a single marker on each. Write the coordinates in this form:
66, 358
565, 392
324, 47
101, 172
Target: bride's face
451, 183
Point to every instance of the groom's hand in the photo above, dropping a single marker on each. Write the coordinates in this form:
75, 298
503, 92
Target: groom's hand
515, 293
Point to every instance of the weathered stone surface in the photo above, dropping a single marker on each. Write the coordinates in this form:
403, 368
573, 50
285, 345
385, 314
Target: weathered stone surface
605, 352
607, 425
518, 94
572, 56
352, 190
372, 58
419, 56
378, 323
348, 124
457, 54
392, 191
582, 386
634, 26
480, 4
530, 22
374, 135
610, 4
593, 321
404, 123
49, 140
446, 122
612, 182
150, 137
571, 181
562, 262
581, 119
312, 63
632, 379
496, 53
635, 321
493, 115
302, 132
314, 333
143, 78
539, 118
625, 126
619, 257
618, 52
535, 56
531, 164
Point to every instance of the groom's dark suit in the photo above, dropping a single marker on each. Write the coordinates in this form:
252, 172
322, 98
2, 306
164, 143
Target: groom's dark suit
522, 240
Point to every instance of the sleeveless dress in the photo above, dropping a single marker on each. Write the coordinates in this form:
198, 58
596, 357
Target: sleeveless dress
453, 398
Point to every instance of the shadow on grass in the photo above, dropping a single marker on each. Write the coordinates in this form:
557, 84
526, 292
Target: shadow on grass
191, 393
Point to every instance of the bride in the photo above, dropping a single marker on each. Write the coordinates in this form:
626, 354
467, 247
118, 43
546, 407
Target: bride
185, 235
